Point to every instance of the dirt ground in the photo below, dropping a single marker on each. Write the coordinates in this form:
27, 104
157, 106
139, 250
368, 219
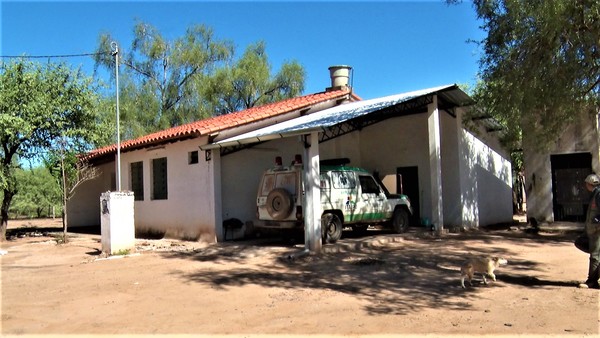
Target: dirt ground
379, 284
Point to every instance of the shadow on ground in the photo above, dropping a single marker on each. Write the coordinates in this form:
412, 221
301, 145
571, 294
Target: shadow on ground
393, 274
31, 231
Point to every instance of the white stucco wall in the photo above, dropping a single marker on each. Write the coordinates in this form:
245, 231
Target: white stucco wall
399, 142
578, 137
347, 146
83, 208
188, 210
451, 183
242, 172
476, 168
486, 183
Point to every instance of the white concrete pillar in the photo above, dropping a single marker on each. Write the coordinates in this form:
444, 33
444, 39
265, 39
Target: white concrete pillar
312, 190
435, 164
117, 222
215, 202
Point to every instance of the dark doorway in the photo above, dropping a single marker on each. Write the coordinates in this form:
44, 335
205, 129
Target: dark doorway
569, 196
408, 184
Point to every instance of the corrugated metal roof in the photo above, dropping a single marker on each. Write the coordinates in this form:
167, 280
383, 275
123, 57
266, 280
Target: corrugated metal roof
450, 94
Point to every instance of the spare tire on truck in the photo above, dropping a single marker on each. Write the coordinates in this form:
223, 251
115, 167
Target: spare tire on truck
279, 203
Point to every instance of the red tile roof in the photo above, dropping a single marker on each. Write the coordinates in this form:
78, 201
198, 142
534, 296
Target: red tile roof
222, 122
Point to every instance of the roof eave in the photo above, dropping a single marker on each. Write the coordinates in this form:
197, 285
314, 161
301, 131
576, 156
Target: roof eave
151, 142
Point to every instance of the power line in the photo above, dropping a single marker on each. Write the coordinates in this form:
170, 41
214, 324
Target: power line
50, 56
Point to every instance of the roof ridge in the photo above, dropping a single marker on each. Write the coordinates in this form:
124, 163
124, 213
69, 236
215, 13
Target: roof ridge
224, 121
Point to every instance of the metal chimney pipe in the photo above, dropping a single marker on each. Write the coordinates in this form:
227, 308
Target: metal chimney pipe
340, 76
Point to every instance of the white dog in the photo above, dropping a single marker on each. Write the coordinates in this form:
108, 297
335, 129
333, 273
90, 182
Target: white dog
483, 265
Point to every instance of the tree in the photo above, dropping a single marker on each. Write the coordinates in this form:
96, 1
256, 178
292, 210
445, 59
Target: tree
70, 171
39, 104
248, 83
157, 74
169, 83
540, 64
38, 193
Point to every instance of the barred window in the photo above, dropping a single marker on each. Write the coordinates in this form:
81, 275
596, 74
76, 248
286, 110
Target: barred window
137, 180
159, 179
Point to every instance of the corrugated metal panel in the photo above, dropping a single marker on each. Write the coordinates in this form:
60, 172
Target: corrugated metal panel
339, 114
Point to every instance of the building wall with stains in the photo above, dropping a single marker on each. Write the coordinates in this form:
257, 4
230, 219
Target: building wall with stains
578, 139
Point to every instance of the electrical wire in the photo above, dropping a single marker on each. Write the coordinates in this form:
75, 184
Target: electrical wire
50, 56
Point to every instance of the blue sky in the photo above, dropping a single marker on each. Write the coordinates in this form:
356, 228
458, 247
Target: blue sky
393, 46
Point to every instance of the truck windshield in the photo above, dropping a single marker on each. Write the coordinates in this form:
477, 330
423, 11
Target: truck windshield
368, 185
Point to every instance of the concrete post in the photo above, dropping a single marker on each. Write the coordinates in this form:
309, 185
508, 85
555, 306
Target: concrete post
214, 159
435, 164
117, 222
312, 187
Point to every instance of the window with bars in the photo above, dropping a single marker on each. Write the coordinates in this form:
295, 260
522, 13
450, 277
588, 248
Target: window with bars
137, 180
159, 179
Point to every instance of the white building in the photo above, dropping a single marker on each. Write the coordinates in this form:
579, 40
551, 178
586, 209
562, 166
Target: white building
188, 179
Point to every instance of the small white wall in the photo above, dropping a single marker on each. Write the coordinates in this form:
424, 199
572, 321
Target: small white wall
117, 222
82, 208
578, 137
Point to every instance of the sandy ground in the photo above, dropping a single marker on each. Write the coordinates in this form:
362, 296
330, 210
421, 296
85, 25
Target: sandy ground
379, 284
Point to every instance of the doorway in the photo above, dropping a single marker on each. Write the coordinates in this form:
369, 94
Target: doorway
569, 196
408, 184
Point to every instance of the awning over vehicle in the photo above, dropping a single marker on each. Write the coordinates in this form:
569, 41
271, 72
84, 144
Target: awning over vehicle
449, 96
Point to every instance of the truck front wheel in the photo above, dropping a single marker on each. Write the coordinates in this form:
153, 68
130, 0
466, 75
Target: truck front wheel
400, 220
331, 227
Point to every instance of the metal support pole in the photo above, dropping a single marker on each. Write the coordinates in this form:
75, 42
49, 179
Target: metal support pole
115, 52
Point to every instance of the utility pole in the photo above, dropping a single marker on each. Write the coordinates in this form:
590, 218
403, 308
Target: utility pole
115, 52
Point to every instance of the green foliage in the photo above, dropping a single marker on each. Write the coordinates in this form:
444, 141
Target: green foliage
168, 83
122, 252
248, 83
40, 104
541, 65
156, 78
38, 194
105, 133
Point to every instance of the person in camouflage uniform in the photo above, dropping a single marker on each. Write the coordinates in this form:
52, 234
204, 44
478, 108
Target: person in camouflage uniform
592, 229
